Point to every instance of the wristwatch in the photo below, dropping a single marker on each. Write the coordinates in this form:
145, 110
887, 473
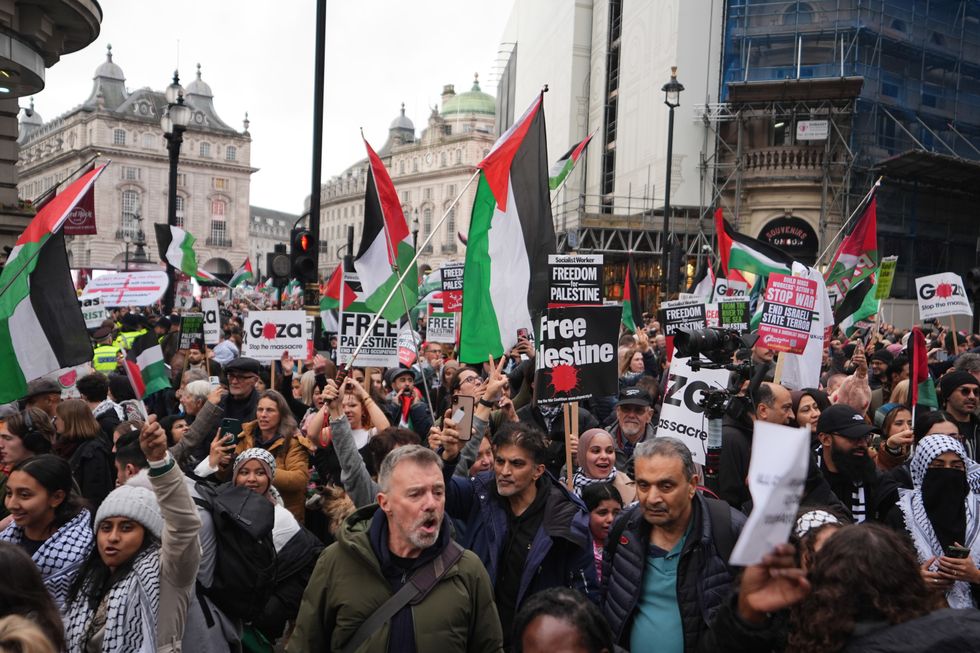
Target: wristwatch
488, 404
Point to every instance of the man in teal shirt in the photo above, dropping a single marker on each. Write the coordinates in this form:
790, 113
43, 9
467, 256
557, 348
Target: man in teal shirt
665, 570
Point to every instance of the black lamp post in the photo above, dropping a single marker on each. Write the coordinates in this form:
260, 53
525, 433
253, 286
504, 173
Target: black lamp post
174, 124
672, 98
415, 231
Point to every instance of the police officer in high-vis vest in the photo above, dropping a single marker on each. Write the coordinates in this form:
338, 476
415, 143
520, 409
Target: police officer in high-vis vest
106, 354
131, 330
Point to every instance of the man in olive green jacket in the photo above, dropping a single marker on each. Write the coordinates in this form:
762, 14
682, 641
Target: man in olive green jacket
377, 550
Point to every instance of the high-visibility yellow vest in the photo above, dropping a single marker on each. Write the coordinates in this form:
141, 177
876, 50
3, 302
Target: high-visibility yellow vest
105, 359
126, 339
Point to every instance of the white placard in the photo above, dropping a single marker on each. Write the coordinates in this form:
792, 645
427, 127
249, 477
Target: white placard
729, 288
381, 347
812, 130
212, 321
129, 288
681, 416
777, 474
270, 333
92, 310
441, 327
941, 295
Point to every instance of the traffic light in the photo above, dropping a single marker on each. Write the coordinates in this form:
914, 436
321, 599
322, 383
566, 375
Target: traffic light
301, 255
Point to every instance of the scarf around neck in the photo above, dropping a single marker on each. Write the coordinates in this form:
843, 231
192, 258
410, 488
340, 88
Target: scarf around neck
580, 480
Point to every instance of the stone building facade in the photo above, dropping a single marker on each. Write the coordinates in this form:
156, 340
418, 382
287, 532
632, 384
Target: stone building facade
428, 172
123, 126
266, 229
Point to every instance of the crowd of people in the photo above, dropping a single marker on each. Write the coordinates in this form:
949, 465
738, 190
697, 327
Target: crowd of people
257, 507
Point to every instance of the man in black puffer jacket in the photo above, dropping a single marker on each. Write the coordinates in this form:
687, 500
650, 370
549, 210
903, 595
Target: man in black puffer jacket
665, 569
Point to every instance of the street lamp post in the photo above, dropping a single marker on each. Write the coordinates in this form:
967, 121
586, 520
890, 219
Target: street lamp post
174, 124
415, 231
672, 98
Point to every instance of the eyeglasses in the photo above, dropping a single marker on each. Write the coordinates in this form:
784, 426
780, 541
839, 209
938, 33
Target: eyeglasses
241, 378
475, 380
968, 391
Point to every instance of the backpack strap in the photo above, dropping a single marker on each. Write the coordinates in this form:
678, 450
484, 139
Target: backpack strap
612, 541
720, 515
413, 592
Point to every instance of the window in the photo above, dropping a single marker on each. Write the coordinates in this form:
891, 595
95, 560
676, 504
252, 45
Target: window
451, 224
219, 232
220, 183
426, 221
131, 174
119, 137
427, 193
401, 167
218, 209
406, 196
180, 211
415, 165
442, 159
150, 141
181, 179
231, 153
205, 149
451, 190
130, 210
459, 156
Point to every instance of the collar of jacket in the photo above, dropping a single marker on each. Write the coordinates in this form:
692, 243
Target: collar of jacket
700, 531
565, 515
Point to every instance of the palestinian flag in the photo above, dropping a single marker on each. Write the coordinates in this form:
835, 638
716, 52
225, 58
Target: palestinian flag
859, 304
41, 324
177, 249
337, 290
566, 163
703, 284
857, 256
922, 390
510, 237
386, 247
632, 315
242, 274
149, 373
740, 252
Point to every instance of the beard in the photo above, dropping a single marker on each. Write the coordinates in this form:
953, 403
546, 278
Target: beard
857, 468
422, 539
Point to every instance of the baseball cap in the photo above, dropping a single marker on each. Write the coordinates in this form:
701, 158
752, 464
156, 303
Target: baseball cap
633, 397
843, 420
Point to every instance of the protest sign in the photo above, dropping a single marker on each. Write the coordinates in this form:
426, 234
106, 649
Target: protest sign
711, 314
270, 333
941, 295
408, 345
733, 313
576, 280
67, 377
777, 474
309, 326
191, 331
576, 357
92, 310
729, 288
681, 314
129, 288
212, 321
441, 327
787, 313
379, 350
452, 287
681, 415
886, 277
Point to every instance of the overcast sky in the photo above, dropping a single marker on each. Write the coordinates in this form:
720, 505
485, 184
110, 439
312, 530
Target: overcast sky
258, 57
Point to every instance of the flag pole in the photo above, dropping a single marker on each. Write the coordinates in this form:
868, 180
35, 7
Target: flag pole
401, 278
848, 221
565, 180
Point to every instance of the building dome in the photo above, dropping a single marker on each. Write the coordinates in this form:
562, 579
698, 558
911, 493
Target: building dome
108, 69
402, 121
198, 86
472, 101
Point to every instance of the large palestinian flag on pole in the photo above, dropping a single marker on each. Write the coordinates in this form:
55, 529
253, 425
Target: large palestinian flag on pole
242, 274
386, 249
857, 256
505, 278
740, 252
41, 325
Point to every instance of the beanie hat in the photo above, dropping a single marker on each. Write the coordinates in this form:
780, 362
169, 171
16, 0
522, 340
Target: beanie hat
882, 355
953, 380
261, 455
136, 503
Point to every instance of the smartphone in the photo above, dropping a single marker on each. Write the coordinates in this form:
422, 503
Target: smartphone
215, 381
231, 426
463, 416
341, 375
957, 552
523, 334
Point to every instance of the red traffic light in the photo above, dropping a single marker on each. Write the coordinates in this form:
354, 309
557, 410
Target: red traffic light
304, 242
301, 242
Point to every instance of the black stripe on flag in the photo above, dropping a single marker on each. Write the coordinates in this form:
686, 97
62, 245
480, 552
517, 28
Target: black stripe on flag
56, 304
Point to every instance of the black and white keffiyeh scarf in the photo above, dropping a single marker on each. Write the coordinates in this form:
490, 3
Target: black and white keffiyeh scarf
917, 520
131, 612
61, 555
580, 480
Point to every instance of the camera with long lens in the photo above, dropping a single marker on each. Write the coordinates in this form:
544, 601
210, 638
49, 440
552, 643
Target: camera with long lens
717, 345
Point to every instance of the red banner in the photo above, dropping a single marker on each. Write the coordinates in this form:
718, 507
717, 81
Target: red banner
81, 220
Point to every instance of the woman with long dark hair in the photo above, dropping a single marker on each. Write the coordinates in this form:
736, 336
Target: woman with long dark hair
50, 523
23, 593
81, 443
22, 435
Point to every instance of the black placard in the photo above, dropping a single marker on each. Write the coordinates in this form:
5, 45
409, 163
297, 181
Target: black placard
575, 280
577, 356
192, 331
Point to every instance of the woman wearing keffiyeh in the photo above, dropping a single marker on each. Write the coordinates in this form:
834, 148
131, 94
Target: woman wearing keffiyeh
596, 459
942, 515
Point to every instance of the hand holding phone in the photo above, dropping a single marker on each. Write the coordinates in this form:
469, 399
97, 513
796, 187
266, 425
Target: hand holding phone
958, 552
232, 427
462, 416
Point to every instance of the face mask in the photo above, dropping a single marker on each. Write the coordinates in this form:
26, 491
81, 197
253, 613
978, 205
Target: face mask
944, 493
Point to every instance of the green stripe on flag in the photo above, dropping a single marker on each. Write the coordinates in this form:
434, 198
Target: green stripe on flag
479, 331
410, 288
555, 180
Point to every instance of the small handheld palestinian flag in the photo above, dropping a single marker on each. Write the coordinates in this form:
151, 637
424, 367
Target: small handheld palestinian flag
632, 316
566, 163
149, 373
242, 274
922, 390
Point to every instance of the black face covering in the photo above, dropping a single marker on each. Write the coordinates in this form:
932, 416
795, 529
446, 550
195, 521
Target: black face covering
856, 468
944, 494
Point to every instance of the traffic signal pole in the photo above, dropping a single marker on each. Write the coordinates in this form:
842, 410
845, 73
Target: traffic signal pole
311, 294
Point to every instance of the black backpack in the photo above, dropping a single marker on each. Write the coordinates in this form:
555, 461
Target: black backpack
245, 556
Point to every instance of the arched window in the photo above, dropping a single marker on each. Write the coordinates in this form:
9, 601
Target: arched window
451, 224
180, 211
427, 221
219, 228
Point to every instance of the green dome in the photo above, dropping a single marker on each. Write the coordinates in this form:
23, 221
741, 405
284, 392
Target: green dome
472, 101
